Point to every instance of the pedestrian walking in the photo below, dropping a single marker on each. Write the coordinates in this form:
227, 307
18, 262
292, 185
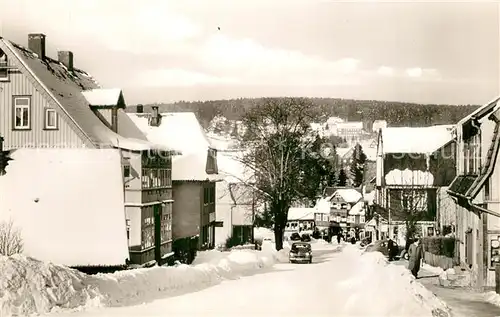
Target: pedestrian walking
416, 254
390, 249
338, 238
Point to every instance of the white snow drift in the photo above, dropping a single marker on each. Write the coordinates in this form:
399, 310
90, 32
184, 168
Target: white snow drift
29, 286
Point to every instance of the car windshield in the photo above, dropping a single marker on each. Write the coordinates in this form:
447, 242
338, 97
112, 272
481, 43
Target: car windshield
301, 247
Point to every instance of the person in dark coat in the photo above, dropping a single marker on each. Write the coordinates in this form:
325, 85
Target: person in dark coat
338, 238
416, 253
353, 240
390, 249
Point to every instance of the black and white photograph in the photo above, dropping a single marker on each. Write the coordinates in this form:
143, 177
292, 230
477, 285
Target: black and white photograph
249, 158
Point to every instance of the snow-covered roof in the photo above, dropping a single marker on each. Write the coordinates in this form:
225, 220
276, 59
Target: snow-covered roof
350, 125
409, 177
369, 197
65, 89
192, 167
349, 195
178, 130
357, 209
103, 97
69, 205
416, 140
232, 169
323, 206
221, 142
334, 120
301, 213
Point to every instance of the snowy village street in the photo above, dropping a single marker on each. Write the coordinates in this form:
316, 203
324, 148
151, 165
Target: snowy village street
340, 282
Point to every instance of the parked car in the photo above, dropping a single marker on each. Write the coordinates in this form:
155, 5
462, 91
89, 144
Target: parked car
378, 246
295, 236
366, 241
381, 246
300, 252
305, 238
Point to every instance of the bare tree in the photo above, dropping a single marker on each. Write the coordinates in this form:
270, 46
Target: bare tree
11, 241
278, 140
413, 199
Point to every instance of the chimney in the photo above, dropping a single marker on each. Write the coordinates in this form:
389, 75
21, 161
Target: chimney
66, 58
140, 109
155, 119
36, 44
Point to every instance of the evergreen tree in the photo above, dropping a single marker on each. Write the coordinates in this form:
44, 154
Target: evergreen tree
342, 181
357, 167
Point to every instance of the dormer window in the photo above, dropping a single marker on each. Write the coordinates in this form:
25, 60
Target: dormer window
4, 70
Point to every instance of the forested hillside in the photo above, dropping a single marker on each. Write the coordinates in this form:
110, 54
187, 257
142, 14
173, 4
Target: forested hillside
396, 113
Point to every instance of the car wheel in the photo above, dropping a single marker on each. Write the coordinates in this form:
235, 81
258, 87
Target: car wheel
406, 256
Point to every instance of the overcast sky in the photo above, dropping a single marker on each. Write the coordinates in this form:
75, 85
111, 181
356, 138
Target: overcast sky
172, 50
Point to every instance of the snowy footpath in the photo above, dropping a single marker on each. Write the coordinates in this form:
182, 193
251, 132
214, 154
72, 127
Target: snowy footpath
341, 281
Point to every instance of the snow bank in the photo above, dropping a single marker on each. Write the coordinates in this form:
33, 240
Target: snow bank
492, 297
389, 290
437, 270
262, 233
28, 286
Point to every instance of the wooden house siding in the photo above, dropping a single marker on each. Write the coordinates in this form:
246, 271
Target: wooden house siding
22, 83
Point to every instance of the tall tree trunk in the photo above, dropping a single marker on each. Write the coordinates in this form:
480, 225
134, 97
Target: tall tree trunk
280, 218
278, 238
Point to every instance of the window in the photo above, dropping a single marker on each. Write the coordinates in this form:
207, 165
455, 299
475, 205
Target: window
22, 113
414, 200
211, 161
126, 171
4, 71
50, 119
147, 227
166, 223
472, 155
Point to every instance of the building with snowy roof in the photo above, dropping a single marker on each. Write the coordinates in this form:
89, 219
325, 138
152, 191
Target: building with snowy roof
306, 219
236, 203
50, 104
194, 172
475, 191
346, 209
412, 165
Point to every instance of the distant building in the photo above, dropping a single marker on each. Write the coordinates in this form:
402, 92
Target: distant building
352, 132
331, 125
379, 124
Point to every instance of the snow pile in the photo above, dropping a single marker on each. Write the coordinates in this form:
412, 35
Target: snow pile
437, 270
492, 297
260, 233
30, 286
209, 268
281, 256
388, 290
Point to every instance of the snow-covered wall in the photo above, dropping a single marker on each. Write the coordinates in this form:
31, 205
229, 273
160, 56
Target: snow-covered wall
69, 205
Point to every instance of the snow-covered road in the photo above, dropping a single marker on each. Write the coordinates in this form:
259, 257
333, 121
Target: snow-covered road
337, 283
